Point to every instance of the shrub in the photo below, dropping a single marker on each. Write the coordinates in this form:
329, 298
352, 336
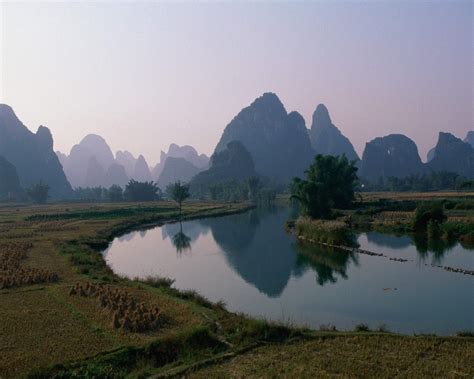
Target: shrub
362, 328
426, 213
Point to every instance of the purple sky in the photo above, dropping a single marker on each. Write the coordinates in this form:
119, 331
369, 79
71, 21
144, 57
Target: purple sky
149, 74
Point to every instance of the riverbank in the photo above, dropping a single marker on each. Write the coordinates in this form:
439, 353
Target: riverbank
47, 329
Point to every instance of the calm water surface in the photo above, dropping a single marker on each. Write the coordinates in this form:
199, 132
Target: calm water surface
255, 267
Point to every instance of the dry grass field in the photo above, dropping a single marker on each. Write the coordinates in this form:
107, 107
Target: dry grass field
356, 356
373, 196
42, 324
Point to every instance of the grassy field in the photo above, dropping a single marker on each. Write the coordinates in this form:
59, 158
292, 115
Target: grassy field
362, 356
370, 196
47, 329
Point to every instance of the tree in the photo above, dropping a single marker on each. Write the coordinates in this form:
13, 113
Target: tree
142, 191
178, 192
39, 192
115, 193
330, 183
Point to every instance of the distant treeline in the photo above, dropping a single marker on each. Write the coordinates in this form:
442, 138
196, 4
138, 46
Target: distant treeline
435, 181
251, 189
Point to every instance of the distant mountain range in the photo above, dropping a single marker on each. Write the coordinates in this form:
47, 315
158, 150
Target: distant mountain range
91, 163
272, 143
282, 147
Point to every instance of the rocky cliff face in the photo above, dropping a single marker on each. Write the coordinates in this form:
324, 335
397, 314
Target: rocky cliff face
9, 182
31, 154
394, 155
454, 155
277, 141
176, 169
326, 139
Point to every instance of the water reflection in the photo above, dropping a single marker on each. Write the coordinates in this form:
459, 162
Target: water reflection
192, 229
428, 249
181, 241
327, 263
251, 247
437, 247
387, 240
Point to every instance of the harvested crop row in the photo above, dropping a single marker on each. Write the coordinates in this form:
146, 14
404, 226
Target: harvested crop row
13, 274
125, 311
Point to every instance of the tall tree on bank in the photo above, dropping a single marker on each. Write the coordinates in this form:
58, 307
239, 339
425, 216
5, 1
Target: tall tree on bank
330, 183
179, 192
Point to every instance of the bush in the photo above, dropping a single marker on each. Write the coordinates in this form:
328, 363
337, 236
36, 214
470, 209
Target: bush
428, 214
362, 328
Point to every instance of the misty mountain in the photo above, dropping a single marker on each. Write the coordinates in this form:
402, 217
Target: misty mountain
430, 155
141, 171
135, 168
277, 141
235, 162
470, 138
95, 173
78, 164
394, 155
9, 181
326, 138
127, 160
115, 174
92, 163
176, 169
31, 154
189, 153
454, 155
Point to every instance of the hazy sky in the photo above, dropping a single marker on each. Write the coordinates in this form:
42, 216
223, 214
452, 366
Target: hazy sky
144, 75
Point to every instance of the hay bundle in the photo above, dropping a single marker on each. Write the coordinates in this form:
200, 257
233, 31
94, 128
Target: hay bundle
125, 312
